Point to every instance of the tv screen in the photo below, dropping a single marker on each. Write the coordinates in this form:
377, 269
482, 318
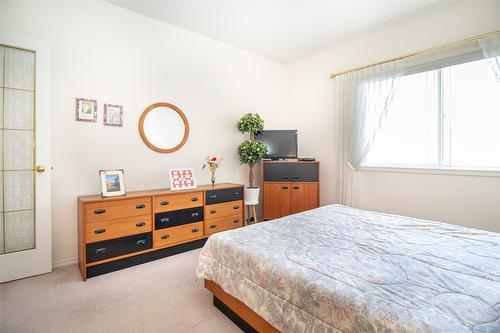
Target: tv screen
280, 143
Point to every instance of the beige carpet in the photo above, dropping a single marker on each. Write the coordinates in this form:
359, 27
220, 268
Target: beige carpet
160, 296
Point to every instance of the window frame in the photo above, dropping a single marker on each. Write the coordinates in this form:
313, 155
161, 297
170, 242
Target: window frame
437, 169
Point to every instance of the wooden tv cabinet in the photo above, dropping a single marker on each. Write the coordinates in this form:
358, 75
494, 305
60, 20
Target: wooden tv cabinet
120, 232
289, 187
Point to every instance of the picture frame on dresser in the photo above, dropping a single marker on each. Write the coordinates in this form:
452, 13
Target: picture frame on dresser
112, 183
182, 179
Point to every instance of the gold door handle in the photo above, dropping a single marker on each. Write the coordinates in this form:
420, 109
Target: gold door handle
40, 168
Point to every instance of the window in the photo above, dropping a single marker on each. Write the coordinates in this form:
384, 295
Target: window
446, 118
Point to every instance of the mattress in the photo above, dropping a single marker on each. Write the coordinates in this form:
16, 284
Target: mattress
340, 269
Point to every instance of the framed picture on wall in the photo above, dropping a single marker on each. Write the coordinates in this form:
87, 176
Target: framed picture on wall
113, 115
112, 183
86, 110
182, 179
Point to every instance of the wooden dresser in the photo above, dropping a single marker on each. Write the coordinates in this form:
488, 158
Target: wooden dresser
119, 232
289, 187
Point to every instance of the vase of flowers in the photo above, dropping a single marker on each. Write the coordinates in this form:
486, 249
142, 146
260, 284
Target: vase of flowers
212, 162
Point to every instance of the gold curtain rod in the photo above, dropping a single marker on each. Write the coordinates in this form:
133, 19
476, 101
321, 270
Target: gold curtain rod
426, 51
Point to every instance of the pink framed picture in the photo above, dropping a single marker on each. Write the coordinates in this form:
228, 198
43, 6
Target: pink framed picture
113, 115
86, 110
182, 179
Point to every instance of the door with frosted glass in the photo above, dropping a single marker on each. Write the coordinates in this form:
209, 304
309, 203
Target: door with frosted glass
24, 153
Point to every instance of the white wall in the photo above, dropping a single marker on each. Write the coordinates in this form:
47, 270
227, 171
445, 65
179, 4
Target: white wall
107, 53
463, 200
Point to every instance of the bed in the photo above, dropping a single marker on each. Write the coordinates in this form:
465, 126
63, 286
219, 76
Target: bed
340, 269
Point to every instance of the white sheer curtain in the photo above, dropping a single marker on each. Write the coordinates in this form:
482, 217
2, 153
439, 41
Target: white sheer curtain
491, 50
362, 101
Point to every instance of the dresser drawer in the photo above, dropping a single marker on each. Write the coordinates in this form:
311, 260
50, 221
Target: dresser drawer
99, 231
222, 224
223, 209
224, 195
304, 172
110, 210
118, 247
178, 234
171, 202
276, 172
178, 217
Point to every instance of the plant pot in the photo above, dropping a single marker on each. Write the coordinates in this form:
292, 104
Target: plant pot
252, 195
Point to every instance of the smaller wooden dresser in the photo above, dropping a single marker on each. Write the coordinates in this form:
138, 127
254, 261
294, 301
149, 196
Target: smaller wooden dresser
289, 187
120, 232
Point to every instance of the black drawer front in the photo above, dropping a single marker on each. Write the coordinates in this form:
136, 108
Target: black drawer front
119, 246
276, 172
225, 195
304, 172
178, 217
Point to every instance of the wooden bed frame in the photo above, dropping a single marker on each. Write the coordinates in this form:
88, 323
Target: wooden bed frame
240, 314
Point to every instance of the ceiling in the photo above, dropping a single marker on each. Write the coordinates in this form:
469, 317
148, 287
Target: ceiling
285, 31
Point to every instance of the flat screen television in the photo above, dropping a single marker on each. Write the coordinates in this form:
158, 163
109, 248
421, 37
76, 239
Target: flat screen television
280, 143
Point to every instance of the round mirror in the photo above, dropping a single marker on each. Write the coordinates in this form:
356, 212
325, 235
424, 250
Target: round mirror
164, 127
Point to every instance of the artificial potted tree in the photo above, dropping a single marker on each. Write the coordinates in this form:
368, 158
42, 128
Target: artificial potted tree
251, 152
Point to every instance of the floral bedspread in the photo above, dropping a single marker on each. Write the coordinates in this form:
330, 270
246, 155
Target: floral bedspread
340, 269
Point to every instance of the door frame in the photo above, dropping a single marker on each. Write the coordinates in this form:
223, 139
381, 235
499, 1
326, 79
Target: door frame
36, 261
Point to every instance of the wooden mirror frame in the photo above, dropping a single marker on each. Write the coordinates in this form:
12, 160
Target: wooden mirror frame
143, 134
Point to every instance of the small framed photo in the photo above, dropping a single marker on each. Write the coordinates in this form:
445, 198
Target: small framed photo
182, 179
86, 110
113, 115
112, 184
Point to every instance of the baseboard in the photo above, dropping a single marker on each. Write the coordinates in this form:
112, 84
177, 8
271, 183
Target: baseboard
64, 262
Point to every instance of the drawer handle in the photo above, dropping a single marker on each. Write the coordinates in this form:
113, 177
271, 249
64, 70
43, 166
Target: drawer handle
212, 196
194, 199
236, 194
236, 207
296, 188
284, 187
284, 177
140, 224
165, 236
295, 177
100, 250
99, 211
212, 226
195, 214
141, 206
140, 242
236, 221
213, 211
99, 231
165, 220
164, 203
195, 230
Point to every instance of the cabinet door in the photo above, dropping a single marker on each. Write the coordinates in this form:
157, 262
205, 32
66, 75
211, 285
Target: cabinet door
304, 196
276, 172
276, 200
304, 172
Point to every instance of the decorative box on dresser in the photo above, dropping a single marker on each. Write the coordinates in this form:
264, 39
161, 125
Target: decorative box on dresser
289, 187
120, 232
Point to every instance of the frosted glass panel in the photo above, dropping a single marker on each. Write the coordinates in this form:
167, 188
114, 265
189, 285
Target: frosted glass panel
18, 150
17, 134
18, 109
19, 229
2, 248
1, 193
18, 190
1, 65
1, 107
19, 69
